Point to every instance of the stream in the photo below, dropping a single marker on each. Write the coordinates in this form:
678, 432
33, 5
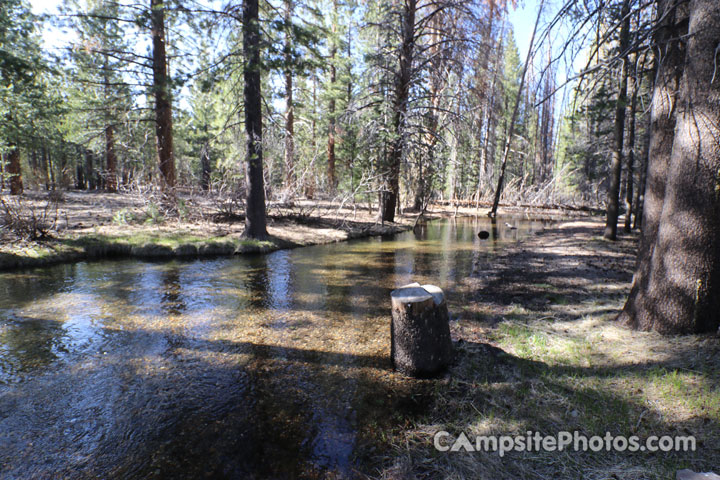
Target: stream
256, 366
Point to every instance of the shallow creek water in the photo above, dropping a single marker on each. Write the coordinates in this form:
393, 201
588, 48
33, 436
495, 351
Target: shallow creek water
257, 366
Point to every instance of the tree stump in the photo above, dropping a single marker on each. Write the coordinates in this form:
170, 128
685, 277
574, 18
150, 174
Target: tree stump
420, 333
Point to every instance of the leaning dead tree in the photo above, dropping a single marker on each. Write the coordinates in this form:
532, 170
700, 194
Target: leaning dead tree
511, 129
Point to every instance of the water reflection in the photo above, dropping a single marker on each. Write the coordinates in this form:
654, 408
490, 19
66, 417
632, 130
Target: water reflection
28, 344
262, 365
172, 300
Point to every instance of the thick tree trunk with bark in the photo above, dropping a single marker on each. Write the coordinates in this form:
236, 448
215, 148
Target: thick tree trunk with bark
14, 171
683, 288
255, 220
670, 52
400, 104
613, 201
420, 334
161, 90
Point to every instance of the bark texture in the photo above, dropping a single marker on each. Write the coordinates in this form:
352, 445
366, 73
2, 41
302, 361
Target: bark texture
670, 55
683, 289
420, 333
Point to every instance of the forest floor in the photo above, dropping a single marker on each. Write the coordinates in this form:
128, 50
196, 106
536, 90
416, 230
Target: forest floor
539, 350
84, 225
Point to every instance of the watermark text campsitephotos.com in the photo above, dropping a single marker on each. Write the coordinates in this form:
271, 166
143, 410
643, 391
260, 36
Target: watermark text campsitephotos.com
561, 441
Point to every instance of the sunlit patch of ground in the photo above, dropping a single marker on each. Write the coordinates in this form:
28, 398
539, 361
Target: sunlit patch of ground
539, 350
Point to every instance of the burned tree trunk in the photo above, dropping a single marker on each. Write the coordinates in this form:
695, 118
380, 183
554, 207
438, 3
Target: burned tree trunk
420, 334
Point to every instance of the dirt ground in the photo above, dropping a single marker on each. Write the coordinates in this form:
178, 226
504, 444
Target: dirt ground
139, 224
539, 350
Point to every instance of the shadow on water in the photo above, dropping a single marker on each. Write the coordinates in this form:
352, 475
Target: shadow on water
263, 366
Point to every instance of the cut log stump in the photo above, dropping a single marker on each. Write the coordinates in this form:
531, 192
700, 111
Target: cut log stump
420, 333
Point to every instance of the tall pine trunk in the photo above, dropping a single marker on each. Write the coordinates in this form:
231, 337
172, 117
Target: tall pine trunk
289, 102
400, 105
640, 191
673, 18
487, 154
613, 201
255, 221
161, 90
332, 180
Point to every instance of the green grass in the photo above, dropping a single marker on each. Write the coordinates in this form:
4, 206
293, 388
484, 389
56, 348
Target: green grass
544, 377
172, 241
98, 245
